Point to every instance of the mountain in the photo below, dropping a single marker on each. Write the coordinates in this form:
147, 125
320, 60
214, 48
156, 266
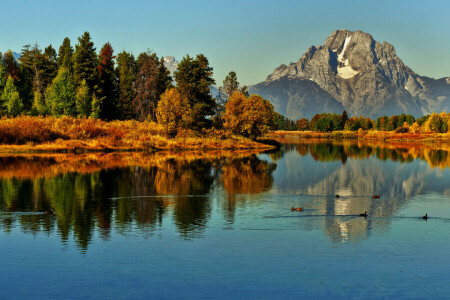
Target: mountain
171, 64
354, 72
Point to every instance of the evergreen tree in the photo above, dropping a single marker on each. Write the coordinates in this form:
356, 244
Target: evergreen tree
10, 102
106, 91
146, 87
126, 75
230, 84
85, 62
194, 78
60, 95
39, 105
10, 65
50, 65
164, 78
31, 70
83, 100
96, 106
2, 76
65, 54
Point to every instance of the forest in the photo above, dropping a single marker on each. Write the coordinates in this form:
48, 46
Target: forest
76, 82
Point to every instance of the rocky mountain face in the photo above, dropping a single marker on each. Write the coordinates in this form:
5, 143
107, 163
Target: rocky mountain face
171, 64
354, 72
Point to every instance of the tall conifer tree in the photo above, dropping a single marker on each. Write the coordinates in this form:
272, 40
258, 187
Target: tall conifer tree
106, 83
126, 75
194, 78
85, 62
65, 54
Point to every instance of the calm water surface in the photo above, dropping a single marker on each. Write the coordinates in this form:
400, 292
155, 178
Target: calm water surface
219, 224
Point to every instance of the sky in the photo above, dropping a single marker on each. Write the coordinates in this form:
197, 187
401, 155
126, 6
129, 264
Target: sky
250, 37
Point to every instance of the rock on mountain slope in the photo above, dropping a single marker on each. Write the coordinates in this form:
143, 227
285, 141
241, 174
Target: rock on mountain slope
171, 64
362, 75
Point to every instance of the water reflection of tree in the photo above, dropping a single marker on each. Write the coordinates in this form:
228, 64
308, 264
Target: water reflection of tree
117, 197
249, 175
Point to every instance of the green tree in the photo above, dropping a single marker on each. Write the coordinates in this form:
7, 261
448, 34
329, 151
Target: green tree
106, 90
194, 78
60, 95
65, 54
173, 112
10, 102
83, 100
230, 84
50, 65
96, 106
39, 105
126, 75
2, 76
85, 62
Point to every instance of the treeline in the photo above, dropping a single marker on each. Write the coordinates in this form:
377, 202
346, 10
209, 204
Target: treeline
79, 82
327, 122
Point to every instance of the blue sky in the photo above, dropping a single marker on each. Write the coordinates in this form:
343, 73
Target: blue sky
250, 37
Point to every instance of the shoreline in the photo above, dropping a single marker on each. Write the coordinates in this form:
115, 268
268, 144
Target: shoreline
28, 134
386, 136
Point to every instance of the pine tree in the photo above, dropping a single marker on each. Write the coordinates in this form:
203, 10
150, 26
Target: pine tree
65, 54
146, 87
39, 105
83, 100
96, 106
194, 78
10, 102
230, 84
85, 62
60, 95
126, 74
10, 65
106, 90
50, 65
2, 76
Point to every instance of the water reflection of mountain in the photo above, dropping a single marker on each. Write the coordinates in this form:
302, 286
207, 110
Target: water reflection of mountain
356, 171
111, 192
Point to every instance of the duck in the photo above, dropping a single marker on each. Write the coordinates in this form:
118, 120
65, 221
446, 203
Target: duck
364, 214
375, 196
425, 217
49, 212
296, 208
337, 196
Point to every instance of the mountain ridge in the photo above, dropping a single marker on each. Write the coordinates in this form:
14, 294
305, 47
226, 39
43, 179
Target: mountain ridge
365, 76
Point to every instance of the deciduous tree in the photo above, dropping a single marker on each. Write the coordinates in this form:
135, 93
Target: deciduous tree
173, 112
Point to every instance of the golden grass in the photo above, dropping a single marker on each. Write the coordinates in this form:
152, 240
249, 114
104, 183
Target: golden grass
388, 136
50, 134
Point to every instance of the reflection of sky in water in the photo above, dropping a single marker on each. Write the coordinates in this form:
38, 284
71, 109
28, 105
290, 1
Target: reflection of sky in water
223, 234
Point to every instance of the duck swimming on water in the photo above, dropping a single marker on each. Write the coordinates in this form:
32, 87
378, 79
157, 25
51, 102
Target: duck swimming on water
49, 212
364, 214
337, 196
425, 217
296, 208
375, 196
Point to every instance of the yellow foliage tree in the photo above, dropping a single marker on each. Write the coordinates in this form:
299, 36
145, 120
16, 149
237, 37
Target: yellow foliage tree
251, 117
173, 112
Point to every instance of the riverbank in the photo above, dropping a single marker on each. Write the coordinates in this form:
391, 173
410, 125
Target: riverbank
387, 136
78, 135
